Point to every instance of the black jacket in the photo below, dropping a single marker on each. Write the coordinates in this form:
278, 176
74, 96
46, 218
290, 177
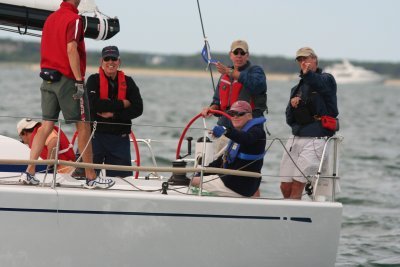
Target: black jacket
121, 121
318, 94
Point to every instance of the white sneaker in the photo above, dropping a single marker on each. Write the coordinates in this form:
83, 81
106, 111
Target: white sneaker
27, 178
99, 183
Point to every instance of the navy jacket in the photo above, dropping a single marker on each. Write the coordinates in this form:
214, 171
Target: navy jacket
318, 94
254, 82
251, 142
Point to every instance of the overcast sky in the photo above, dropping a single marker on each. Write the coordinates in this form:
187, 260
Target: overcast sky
355, 29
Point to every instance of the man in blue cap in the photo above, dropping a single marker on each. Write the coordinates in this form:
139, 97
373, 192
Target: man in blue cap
115, 101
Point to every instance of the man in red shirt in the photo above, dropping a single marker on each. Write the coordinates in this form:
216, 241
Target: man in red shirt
63, 66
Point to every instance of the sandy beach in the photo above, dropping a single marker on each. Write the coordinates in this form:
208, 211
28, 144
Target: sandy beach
186, 73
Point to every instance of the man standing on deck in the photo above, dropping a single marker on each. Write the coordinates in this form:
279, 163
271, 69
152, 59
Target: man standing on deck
241, 81
63, 66
311, 113
114, 101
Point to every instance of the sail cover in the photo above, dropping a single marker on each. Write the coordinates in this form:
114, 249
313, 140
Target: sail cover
31, 14
84, 6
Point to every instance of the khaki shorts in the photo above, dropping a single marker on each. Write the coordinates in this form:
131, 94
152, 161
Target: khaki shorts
306, 153
57, 97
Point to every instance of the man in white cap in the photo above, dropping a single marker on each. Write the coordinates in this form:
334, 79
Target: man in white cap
311, 100
27, 130
244, 152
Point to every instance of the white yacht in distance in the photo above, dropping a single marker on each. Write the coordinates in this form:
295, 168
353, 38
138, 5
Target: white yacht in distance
346, 73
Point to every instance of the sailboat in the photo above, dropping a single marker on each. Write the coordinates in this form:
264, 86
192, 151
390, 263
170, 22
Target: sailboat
150, 221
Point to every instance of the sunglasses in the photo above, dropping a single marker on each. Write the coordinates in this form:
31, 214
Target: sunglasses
236, 114
302, 58
110, 58
239, 52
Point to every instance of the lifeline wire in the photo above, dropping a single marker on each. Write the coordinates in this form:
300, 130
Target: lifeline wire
206, 45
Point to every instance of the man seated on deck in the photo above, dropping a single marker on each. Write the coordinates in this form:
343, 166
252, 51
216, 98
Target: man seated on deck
27, 130
244, 152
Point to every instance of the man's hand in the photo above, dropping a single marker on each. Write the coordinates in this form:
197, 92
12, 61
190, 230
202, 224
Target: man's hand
223, 69
305, 67
126, 103
218, 131
80, 90
106, 115
295, 101
205, 112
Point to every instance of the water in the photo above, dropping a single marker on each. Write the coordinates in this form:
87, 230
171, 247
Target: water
370, 162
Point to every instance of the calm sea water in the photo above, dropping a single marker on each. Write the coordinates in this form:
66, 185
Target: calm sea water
370, 155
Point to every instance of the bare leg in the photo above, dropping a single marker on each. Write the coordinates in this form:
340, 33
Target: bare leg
257, 193
83, 129
286, 189
297, 190
38, 143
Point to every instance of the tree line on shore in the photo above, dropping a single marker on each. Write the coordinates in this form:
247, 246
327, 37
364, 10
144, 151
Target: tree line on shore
29, 52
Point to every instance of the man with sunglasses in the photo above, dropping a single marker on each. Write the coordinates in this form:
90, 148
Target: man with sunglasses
63, 66
245, 152
114, 100
313, 98
240, 81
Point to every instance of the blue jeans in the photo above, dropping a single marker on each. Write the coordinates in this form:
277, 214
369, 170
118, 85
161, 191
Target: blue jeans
112, 149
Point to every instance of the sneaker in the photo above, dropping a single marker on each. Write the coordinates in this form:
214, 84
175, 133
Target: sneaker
99, 183
27, 178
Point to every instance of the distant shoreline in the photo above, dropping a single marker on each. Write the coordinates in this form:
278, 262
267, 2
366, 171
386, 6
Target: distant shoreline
184, 73
167, 72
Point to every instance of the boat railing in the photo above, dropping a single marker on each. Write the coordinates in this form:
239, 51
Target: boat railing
325, 185
147, 142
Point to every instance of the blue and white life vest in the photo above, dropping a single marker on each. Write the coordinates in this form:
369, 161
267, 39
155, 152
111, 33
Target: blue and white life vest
233, 148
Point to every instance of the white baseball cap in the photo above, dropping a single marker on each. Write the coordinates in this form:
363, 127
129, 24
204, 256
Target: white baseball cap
26, 124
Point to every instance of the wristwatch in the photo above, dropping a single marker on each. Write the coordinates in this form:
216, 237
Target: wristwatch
231, 72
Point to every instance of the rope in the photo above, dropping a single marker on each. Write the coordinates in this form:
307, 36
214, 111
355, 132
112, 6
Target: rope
206, 46
87, 144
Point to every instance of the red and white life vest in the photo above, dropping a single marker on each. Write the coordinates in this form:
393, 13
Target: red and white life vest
104, 85
229, 92
66, 151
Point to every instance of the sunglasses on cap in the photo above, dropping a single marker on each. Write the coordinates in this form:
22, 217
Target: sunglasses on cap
233, 113
239, 52
110, 58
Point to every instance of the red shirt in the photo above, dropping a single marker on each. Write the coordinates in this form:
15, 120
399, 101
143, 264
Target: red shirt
62, 27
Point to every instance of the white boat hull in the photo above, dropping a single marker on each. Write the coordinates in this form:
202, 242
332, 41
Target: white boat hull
78, 227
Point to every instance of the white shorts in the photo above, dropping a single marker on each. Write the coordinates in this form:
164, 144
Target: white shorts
214, 184
306, 153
